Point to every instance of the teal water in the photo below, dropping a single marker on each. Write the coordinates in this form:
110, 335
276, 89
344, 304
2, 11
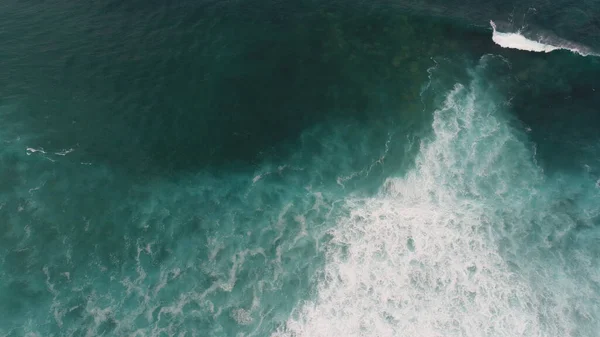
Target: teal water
202, 168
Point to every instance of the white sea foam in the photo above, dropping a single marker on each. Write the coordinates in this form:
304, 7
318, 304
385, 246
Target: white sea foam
420, 259
518, 41
31, 150
64, 152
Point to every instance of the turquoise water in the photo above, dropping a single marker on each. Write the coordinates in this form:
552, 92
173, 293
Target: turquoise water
299, 169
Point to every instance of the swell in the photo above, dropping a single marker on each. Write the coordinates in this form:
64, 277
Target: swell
93, 246
181, 88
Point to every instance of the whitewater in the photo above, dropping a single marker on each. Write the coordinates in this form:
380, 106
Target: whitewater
471, 242
518, 41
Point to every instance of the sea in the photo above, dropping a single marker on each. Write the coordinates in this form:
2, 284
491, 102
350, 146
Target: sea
299, 168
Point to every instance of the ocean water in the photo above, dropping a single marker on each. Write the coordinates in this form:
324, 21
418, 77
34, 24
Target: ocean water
299, 168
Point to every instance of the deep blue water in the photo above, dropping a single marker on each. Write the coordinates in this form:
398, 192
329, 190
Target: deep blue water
299, 168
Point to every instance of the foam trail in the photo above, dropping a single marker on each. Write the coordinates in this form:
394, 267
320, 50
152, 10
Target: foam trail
518, 41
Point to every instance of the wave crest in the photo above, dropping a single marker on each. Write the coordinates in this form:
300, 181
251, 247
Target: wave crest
520, 42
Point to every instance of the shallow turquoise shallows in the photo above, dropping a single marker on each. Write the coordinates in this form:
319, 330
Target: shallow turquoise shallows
299, 168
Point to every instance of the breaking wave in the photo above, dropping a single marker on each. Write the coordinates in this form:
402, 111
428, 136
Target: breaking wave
470, 243
520, 42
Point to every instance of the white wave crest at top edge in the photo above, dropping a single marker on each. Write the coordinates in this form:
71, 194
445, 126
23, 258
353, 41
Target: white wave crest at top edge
520, 42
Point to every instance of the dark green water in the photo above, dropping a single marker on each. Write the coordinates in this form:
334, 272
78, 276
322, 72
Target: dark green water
299, 168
